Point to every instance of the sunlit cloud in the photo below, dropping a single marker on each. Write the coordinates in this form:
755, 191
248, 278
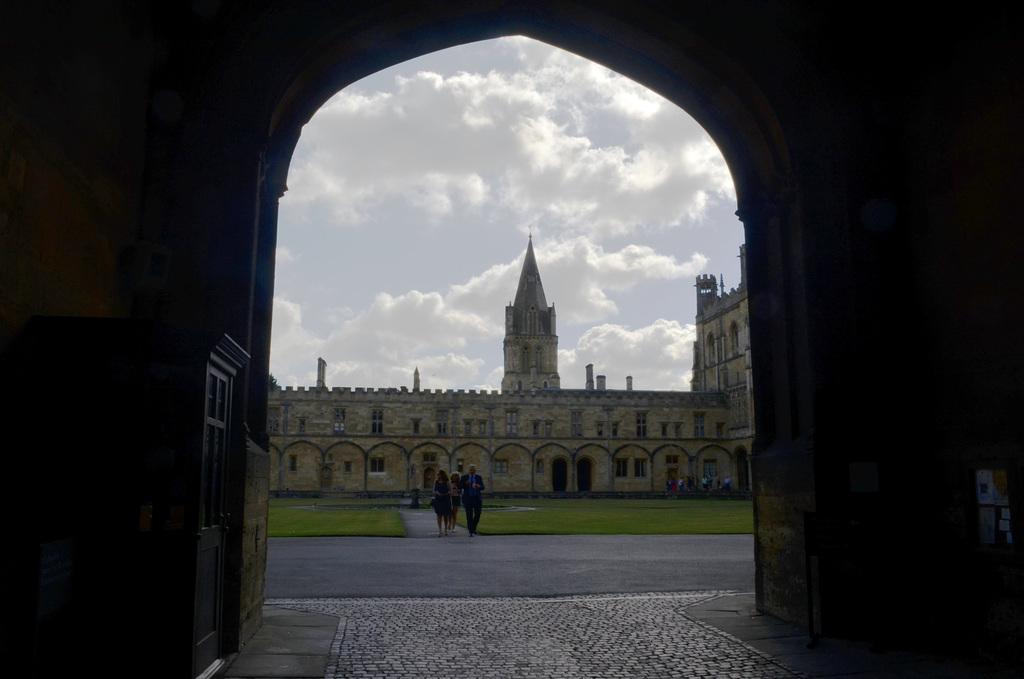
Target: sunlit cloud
410, 196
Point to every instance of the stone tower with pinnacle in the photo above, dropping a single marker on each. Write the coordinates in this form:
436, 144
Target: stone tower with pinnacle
531, 345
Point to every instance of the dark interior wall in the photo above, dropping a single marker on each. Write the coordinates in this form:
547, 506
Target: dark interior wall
73, 83
963, 154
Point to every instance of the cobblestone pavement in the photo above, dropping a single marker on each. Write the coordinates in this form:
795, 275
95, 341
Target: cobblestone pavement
632, 635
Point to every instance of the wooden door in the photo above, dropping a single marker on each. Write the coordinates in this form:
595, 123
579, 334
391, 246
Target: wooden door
210, 556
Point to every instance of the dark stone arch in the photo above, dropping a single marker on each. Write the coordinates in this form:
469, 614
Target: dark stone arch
560, 474
249, 103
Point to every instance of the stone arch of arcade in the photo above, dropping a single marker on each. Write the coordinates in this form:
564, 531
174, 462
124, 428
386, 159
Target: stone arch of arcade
256, 97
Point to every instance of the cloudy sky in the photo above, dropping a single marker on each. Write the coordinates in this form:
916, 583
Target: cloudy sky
412, 193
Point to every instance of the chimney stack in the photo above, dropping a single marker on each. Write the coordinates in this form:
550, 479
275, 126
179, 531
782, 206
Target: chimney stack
321, 373
600, 383
629, 383
590, 376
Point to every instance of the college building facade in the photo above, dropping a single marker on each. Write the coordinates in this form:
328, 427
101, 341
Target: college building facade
532, 436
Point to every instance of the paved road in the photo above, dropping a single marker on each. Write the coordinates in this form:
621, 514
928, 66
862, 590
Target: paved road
505, 565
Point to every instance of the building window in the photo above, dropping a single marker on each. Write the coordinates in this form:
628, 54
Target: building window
442, 421
469, 427
621, 468
430, 457
710, 469
376, 465
415, 426
511, 423
293, 463
274, 420
664, 431
348, 467
547, 429
302, 425
339, 420
600, 429
641, 425
671, 459
679, 431
501, 466
483, 428
576, 423
536, 428
719, 429
458, 465
540, 466
615, 429
698, 425
377, 422
639, 467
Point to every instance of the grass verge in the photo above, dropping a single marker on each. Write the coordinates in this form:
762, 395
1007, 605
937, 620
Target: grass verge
304, 517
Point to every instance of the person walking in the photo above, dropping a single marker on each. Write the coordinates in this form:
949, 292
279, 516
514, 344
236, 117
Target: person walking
472, 498
456, 501
442, 501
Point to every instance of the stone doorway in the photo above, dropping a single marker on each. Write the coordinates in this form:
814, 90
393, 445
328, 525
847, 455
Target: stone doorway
559, 476
583, 475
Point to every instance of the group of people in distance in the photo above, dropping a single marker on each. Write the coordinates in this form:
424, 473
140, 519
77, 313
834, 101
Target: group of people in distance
452, 492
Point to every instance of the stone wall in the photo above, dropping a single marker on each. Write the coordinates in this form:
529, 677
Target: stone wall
254, 541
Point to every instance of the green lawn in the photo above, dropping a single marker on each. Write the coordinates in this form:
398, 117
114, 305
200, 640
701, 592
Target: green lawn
301, 518
612, 517
296, 517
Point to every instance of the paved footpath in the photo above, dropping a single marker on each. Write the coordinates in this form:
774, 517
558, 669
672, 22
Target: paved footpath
636, 634
525, 638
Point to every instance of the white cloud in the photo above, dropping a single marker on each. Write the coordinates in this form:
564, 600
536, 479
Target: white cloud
565, 141
658, 356
290, 341
401, 201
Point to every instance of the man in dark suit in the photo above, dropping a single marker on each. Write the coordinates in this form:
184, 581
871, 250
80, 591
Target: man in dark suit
472, 498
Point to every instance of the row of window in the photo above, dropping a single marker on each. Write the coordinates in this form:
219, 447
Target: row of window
377, 465
539, 428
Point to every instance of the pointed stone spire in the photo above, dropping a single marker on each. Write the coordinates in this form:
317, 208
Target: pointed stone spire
531, 345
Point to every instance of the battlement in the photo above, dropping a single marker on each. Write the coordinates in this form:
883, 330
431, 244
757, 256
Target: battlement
634, 398
720, 302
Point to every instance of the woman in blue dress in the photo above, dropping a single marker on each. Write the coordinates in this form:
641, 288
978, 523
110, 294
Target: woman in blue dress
442, 501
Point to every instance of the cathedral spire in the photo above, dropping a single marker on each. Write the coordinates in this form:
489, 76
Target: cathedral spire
531, 345
530, 296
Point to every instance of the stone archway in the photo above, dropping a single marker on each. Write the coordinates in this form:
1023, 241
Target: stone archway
584, 475
559, 475
258, 114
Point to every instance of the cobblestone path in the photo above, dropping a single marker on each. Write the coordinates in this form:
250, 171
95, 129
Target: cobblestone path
632, 635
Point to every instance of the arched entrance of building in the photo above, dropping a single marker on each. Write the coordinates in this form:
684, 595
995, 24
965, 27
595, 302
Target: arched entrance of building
559, 475
326, 478
584, 475
336, 49
428, 477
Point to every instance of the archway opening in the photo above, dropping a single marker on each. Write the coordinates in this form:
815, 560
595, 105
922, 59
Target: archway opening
751, 137
559, 475
584, 475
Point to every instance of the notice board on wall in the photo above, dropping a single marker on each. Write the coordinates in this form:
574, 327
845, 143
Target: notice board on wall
992, 493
